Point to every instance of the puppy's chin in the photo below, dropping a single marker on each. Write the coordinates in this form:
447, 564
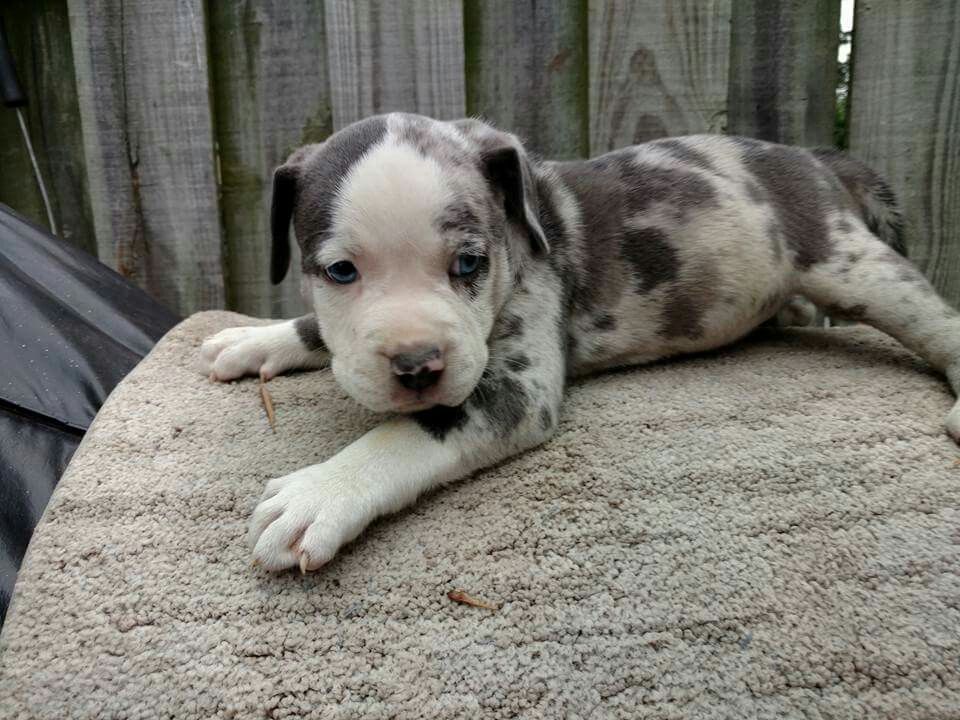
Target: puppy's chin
404, 402
404, 406
407, 401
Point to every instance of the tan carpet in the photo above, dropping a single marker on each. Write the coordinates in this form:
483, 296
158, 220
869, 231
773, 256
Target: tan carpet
769, 532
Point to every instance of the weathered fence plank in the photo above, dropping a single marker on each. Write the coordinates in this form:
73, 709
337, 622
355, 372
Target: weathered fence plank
783, 70
526, 71
39, 34
905, 122
269, 74
386, 56
657, 68
142, 84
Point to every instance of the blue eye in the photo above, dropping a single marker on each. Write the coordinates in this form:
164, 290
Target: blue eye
465, 264
343, 272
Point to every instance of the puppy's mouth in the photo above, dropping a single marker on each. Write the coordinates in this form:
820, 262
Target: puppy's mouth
410, 401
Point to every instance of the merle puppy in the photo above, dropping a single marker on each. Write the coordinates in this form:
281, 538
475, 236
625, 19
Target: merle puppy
458, 282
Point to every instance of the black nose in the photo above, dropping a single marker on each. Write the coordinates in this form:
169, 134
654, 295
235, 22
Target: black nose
420, 380
418, 369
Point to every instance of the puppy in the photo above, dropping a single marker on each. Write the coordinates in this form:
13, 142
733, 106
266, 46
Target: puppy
458, 282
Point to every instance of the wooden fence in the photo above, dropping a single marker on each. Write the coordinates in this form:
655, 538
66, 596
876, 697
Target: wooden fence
158, 123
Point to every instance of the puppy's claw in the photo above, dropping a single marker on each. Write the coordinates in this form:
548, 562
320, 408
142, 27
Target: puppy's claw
304, 562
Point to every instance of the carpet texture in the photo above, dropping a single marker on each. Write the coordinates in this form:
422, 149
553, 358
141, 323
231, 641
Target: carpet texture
771, 531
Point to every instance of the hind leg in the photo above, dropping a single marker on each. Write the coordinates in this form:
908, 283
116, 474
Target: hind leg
865, 280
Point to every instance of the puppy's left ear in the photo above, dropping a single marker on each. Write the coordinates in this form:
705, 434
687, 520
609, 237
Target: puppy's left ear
507, 170
281, 213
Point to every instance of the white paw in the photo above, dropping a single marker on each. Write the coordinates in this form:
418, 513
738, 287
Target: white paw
304, 518
265, 351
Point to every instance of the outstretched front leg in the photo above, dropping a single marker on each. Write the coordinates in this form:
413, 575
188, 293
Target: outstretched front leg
304, 518
266, 350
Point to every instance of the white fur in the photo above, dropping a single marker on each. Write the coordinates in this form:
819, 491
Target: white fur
305, 517
266, 351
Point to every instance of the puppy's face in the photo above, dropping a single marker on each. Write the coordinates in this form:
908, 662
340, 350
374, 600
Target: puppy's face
410, 271
407, 254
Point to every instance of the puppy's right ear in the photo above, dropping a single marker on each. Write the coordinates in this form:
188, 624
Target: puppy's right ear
281, 213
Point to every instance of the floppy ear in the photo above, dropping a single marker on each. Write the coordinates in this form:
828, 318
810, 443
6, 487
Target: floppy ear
506, 170
281, 213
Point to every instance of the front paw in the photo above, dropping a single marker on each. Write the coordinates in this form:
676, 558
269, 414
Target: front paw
239, 351
304, 518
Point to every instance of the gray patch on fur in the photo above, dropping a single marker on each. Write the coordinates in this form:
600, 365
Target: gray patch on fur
681, 317
685, 306
309, 333
598, 282
420, 133
319, 178
870, 195
652, 257
508, 326
501, 398
518, 362
794, 183
617, 187
604, 321
460, 218
681, 189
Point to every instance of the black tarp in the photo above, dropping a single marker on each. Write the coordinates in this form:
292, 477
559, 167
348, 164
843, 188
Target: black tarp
70, 330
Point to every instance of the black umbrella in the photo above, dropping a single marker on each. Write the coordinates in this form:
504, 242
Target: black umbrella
70, 329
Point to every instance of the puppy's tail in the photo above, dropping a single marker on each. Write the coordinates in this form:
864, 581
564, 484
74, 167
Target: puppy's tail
873, 195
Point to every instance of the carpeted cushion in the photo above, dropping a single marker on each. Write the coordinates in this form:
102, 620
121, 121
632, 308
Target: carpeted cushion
771, 531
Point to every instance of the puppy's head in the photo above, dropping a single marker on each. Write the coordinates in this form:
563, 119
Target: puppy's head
411, 231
